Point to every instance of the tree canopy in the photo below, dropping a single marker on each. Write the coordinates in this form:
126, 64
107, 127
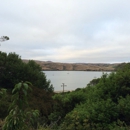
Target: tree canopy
14, 70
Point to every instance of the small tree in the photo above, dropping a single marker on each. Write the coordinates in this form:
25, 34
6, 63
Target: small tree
20, 118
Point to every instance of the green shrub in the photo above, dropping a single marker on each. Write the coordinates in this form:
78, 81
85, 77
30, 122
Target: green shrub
19, 117
106, 105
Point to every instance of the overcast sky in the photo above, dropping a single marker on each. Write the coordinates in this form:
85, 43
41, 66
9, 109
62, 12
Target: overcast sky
83, 31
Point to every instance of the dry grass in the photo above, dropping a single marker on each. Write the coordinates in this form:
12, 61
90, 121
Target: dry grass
75, 66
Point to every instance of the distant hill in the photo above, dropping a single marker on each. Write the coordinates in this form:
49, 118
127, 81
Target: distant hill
49, 65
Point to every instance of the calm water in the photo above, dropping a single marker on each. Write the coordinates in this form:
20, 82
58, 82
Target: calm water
73, 79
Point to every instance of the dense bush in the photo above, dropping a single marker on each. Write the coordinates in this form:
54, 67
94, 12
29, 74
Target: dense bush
106, 105
66, 102
4, 105
41, 100
14, 70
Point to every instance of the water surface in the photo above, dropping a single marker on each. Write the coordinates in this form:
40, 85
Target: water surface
72, 79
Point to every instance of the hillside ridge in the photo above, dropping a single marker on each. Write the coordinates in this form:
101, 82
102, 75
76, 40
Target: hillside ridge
57, 66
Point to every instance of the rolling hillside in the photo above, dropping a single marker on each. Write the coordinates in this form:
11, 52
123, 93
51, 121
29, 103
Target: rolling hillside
48, 65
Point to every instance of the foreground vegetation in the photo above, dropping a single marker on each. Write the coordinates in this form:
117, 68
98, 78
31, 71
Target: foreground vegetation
102, 105
12, 71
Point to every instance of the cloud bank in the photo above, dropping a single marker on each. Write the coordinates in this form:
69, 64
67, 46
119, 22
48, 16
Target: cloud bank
72, 31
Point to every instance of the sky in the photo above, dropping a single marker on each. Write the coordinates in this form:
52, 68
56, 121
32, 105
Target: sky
69, 31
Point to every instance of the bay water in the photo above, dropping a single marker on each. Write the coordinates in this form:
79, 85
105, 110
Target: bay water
72, 79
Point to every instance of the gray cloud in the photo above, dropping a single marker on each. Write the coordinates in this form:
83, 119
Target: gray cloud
67, 31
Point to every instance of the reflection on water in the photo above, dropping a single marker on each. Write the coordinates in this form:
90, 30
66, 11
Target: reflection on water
72, 79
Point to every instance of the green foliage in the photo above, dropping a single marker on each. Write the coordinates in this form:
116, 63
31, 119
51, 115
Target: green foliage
102, 105
93, 82
19, 117
72, 121
122, 66
41, 100
4, 103
3, 92
105, 105
14, 70
124, 109
66, 102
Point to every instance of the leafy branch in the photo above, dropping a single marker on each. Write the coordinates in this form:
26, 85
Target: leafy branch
19, 117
